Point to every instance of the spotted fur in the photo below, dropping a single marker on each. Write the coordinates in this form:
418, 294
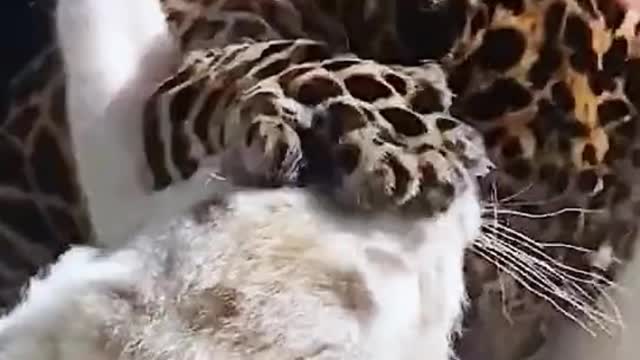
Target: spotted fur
551, 85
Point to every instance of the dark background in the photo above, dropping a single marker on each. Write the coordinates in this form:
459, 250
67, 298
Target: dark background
25, 28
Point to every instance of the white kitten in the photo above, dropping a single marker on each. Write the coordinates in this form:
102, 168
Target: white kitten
272, 274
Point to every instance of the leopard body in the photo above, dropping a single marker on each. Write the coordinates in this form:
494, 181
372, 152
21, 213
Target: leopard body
557, 111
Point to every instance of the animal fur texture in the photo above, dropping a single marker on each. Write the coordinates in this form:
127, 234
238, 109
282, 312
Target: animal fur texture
273, 274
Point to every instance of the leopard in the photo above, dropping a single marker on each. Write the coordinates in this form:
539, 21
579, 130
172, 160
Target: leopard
570, 61
298, 274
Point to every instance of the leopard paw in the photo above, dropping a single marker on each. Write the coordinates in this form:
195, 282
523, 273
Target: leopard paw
376, 168
272, 154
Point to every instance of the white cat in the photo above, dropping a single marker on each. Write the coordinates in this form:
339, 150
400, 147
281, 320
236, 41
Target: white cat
273, 274
268, 274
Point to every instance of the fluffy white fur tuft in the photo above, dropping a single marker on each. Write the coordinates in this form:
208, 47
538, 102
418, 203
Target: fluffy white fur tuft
267, 275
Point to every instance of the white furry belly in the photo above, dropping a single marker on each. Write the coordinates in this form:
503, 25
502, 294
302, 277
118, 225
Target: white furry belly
277, 277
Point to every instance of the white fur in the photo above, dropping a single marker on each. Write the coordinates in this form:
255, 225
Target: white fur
115, 53
284, 251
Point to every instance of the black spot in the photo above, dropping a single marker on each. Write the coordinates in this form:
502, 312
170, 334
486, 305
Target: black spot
494, 136
584, 61
285, 79
65, 225
546, 120
24, 217
426, 100
34, 81
632, 83
635, 158
589, 154
180, 154
600, 81
400, 172
616, 151
340, 64
613, 60
501, 49
311, 52
317, 89
627, 129
519, 169
180, 78
541, 71
511, 148
50, 168
12, 164
502, 96
275, 67
275, 47
613, 13
562, 96
445, 124
553, 21
547, 172
348, 157
560, 182
478, 21
577, 34
58, 107
396, 82
422, 148
344, 118
367, 88
201, 123
182, 101
404, 121
415, 23
587, 180
22, 124
460, 77
612, 110
429, 175
154, 148
621, 193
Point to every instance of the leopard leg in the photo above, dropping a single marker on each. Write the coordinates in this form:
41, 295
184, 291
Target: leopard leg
284, 112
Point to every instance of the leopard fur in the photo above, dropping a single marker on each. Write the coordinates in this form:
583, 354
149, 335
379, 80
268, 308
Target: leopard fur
584, 157
272, 274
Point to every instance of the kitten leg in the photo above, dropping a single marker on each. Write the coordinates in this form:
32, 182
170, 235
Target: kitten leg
115, 53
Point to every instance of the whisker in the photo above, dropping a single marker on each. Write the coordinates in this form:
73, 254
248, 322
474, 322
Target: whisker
481, 253
527, 277
531, 244
519, 258
545, 215
498, 243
